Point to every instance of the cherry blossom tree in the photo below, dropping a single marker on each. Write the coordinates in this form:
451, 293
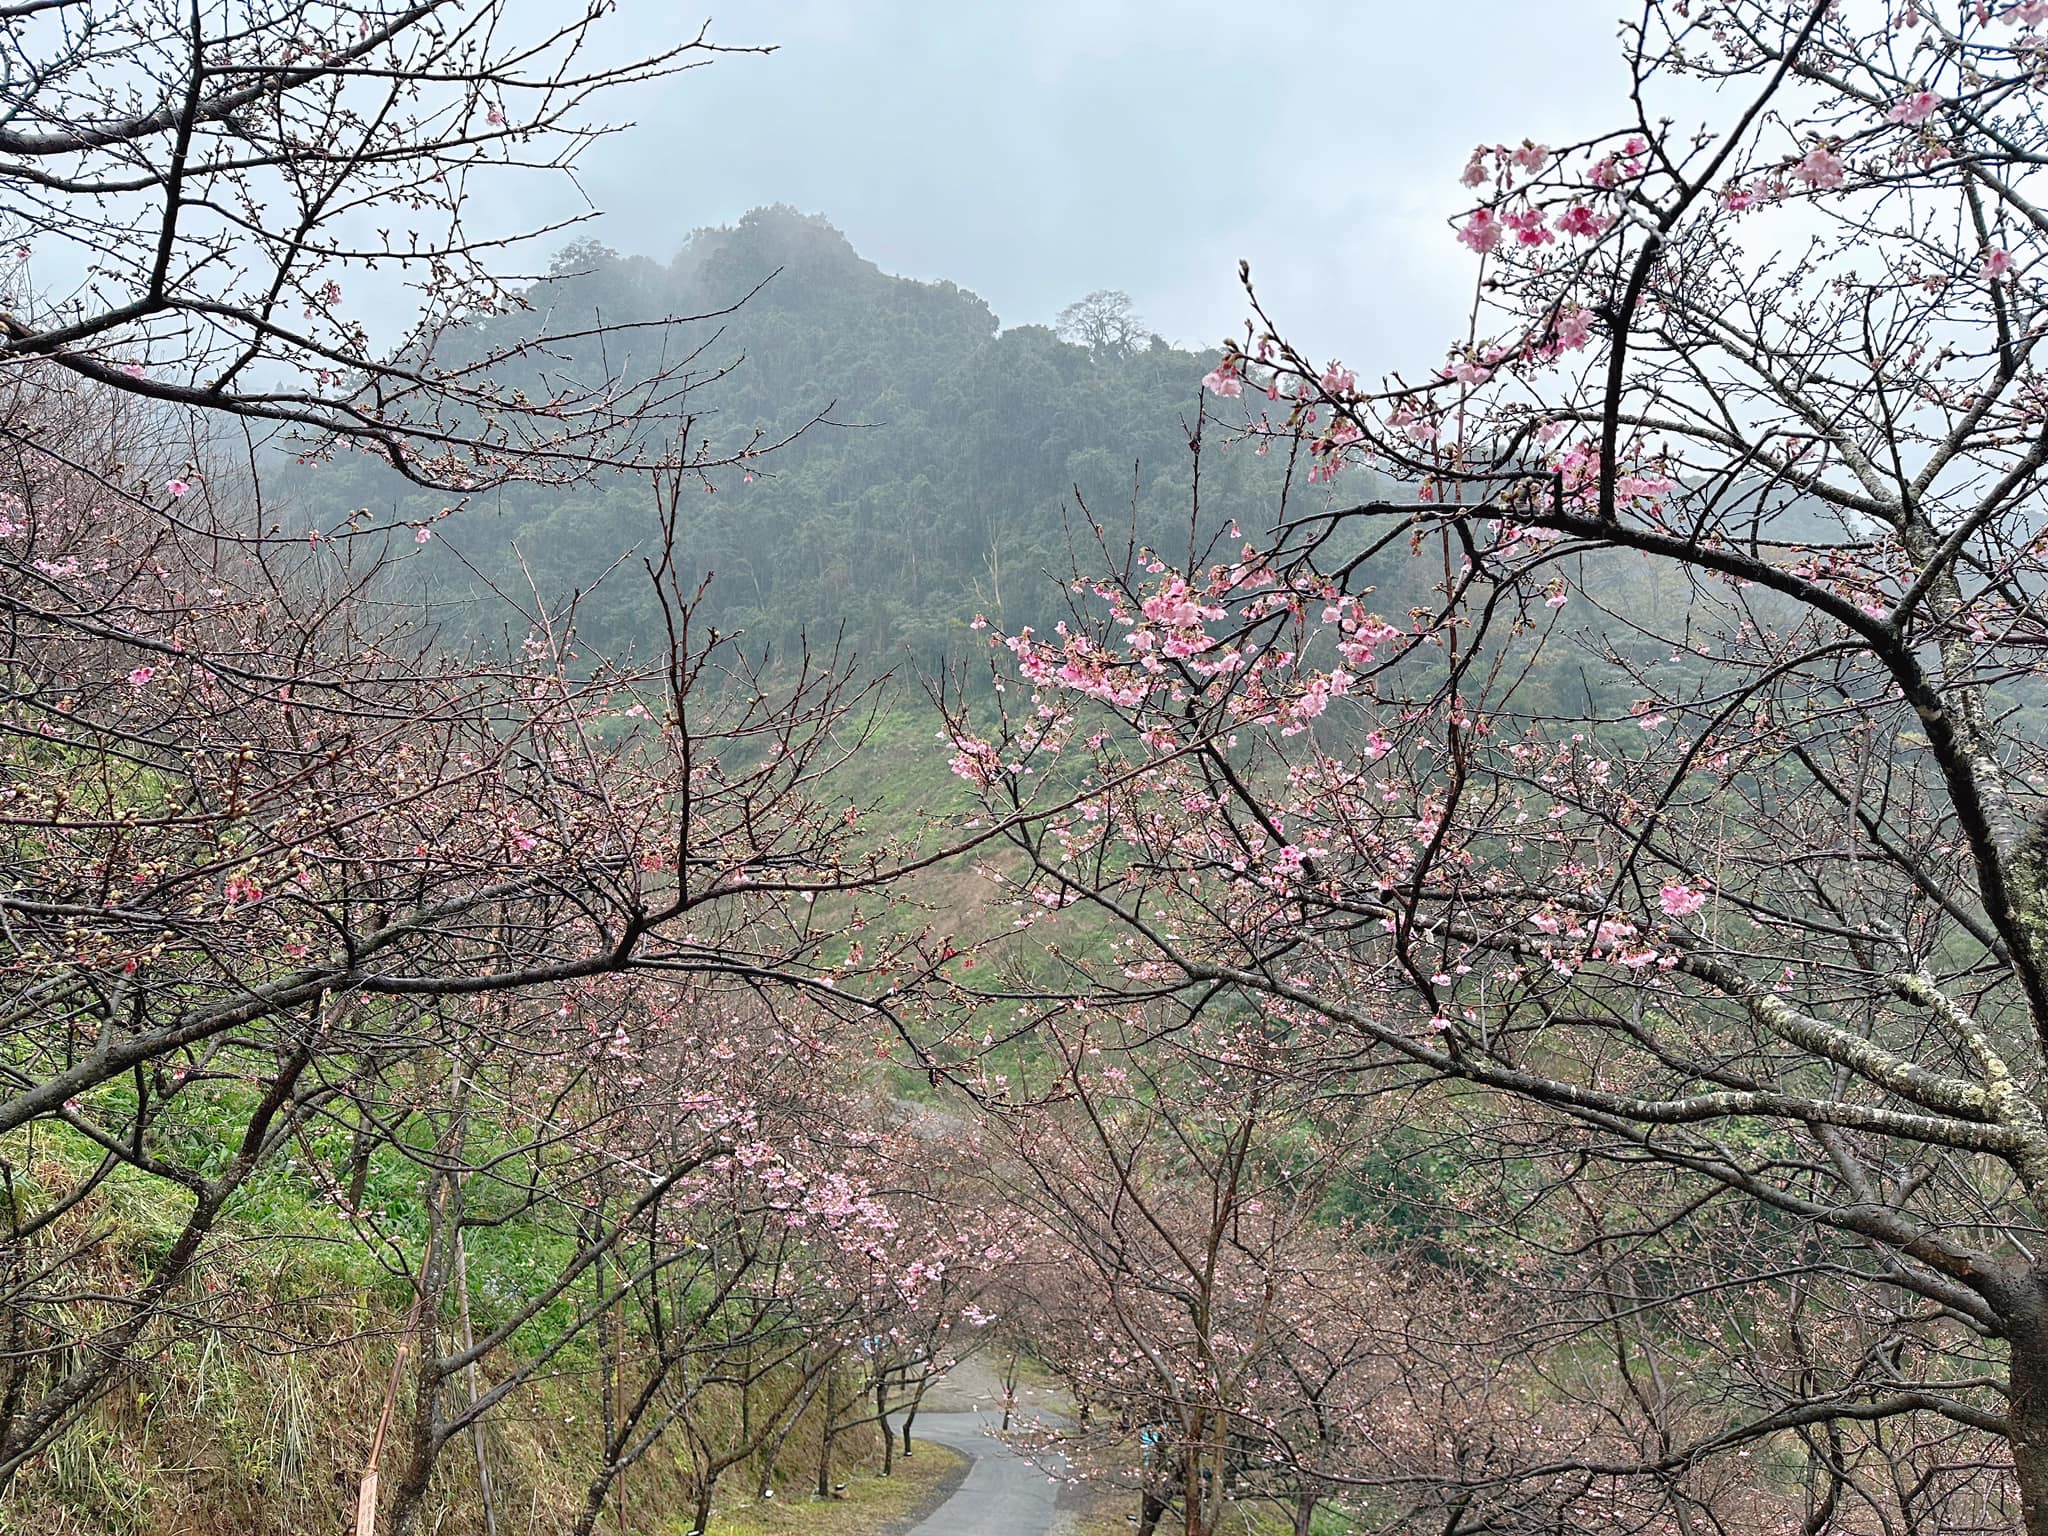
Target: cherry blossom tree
1170, 1198
915, 1286
1207, 1261
928, 1290
1690, 832
711, 1165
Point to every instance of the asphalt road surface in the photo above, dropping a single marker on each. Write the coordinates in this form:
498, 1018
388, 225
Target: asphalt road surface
1004, 1495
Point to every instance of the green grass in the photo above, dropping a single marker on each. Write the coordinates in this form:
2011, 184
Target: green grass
871, 1504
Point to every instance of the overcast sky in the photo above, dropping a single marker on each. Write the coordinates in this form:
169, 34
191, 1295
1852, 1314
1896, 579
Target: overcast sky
1033, 151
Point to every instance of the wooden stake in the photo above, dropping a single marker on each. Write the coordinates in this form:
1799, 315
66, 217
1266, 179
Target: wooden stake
366, 1496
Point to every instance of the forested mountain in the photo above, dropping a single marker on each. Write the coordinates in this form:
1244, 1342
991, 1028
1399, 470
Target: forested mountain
940, 483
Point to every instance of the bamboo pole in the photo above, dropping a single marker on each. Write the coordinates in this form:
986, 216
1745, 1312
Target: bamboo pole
476, 1428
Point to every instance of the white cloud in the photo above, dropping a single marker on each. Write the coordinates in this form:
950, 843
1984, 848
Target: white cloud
1034, 152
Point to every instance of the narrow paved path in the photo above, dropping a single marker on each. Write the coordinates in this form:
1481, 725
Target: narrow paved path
1004, 1494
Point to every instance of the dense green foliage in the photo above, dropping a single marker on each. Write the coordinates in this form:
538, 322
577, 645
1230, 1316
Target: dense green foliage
941, 483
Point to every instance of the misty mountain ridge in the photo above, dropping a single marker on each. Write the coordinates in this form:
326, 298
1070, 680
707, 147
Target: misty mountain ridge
941, 484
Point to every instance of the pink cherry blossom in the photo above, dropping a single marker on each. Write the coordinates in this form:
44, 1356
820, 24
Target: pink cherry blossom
1175, 605
1612, 933
179, 487
140, 677
421, 535
1531, 158
975, 760
1482, 231
1681, 900
1822, 167
1997, 263
1223, 380
1529, 227
1916, 108
1580, 220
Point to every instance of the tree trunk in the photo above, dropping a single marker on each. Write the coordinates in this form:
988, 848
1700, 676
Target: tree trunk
595, 1496
1305, 1511
1194, 1507
825, 1438
444, 1207
1010, 1388
747, 1396
701, 1522
2028, 1417
1202, 1476
628, 1418
782, 1433
362, 1143
882, 1418
483, 1464
425, 1437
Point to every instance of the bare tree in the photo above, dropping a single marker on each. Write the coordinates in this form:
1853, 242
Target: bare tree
1105, 322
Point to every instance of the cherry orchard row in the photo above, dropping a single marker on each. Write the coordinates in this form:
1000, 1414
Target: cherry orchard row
1258, 1290
475, 946
314, 931
516, 947
308, 914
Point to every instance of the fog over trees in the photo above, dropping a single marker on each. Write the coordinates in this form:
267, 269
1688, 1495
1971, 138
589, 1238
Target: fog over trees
711, 889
